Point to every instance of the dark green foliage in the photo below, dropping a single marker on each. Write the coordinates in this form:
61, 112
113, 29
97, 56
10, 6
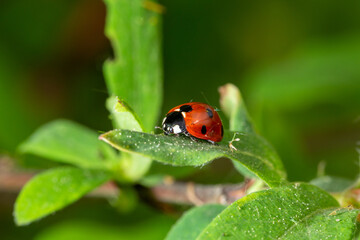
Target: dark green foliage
285, 210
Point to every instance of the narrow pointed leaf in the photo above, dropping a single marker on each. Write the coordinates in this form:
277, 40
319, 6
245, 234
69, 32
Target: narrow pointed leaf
253, 153
269, 214
130, 167
234, 108
122, 115
135, 74
191, 224
53, 190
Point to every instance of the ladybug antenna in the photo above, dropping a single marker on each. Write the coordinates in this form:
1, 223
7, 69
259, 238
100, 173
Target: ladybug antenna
207, 101
156, 128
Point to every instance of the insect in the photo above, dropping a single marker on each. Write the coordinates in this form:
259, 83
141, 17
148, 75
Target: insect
196, 120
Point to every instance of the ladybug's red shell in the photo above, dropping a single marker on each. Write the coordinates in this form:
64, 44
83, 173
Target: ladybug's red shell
201, 121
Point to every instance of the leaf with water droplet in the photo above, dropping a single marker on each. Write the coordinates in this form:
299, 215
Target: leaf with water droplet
54, 189
253, 152
270, 214
326, 224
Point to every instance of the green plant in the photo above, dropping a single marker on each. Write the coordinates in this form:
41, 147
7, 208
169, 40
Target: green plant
284, 210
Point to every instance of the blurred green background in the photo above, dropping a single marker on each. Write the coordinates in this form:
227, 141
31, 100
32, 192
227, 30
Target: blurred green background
297, 64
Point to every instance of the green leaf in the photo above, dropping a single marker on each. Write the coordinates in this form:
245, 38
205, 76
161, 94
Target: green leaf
332, 184
191, 224
130, 167
326, 224
234, 108
136, 72
54, 189
122, 115
268, 214
253, 152
69, 142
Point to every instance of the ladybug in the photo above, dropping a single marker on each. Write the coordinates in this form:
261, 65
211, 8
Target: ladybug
196, 120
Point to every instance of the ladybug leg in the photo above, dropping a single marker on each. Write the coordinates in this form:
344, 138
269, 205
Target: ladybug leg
186, 133
212, 142
193, 138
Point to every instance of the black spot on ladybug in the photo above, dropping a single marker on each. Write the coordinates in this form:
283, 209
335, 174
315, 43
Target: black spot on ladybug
203, 129
209, 112
186, 108
222, 130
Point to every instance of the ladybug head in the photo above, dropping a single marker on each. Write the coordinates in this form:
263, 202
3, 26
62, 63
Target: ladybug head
174, 123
